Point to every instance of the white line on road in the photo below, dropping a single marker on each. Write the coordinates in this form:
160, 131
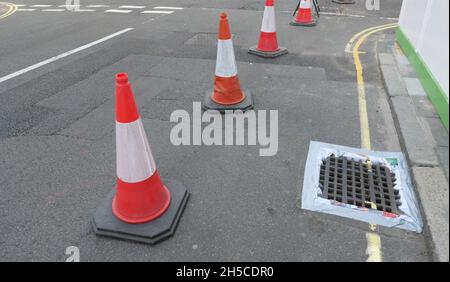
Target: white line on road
97, 6
131, 7
84, 10
26, 10
157, 12
60, 56
53, 10
118, 11
340, 14
41, 6
168, 8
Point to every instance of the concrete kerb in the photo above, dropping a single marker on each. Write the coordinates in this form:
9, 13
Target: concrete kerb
435, 211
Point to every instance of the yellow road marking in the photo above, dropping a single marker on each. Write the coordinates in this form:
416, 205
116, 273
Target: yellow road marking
364, 119
373, 247
348, 47
373, 250
12, 8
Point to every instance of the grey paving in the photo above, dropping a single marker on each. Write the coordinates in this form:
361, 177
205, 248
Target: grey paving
414, 86
393, 82
433, 190
417, 140
425, 140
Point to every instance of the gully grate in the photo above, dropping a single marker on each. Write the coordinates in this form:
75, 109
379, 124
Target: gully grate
358, 183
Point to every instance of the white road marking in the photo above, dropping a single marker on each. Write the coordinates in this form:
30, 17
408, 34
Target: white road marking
41, 6
97, 6
53, 10
168, 8
118, 11
131, 7
84, 10
20, 5
157, 12
340, 14
60, 56
26, 10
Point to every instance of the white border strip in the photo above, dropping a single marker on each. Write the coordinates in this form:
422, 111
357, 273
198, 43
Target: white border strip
60, 56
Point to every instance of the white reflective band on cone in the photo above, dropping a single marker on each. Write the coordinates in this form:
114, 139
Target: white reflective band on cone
305, 4
134, 158
268, 24
226, 63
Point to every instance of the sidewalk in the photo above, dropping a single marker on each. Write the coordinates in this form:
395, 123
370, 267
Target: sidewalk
426, 143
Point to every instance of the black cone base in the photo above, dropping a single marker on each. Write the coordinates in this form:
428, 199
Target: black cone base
105, 223
274, 54
246, 104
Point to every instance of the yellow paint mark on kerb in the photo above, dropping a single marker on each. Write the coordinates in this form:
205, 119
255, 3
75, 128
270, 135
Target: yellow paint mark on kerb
373, 250
12, 8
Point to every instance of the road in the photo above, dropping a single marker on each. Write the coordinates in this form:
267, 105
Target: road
57, 128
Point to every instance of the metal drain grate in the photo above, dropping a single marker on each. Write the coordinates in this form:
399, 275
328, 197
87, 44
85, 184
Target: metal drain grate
357, 183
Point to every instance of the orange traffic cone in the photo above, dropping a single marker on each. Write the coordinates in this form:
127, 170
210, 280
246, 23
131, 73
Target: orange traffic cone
304, 15
268, 44
143, 208
227, 93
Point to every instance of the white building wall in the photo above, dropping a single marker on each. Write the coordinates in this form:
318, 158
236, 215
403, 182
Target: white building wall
426, 24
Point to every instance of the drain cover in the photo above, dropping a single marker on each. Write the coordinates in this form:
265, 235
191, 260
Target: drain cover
358, 183
350, 182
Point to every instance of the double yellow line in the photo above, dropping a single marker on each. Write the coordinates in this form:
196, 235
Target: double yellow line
12, 8
373, 238
360, 38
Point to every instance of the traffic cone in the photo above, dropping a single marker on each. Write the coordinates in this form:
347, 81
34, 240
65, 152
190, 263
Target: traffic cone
304, 15
227, 93
268, 44
143, 208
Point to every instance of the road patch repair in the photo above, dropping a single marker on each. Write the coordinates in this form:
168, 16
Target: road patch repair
340, 181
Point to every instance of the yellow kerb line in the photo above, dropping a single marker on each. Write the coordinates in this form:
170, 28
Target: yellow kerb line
373, 250
12, 8
348, 47
364, 119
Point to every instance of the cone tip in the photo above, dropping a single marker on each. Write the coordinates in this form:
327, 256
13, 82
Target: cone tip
223, 16
122, 78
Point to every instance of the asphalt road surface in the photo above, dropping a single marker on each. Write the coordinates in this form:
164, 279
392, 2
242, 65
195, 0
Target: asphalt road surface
57, 142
